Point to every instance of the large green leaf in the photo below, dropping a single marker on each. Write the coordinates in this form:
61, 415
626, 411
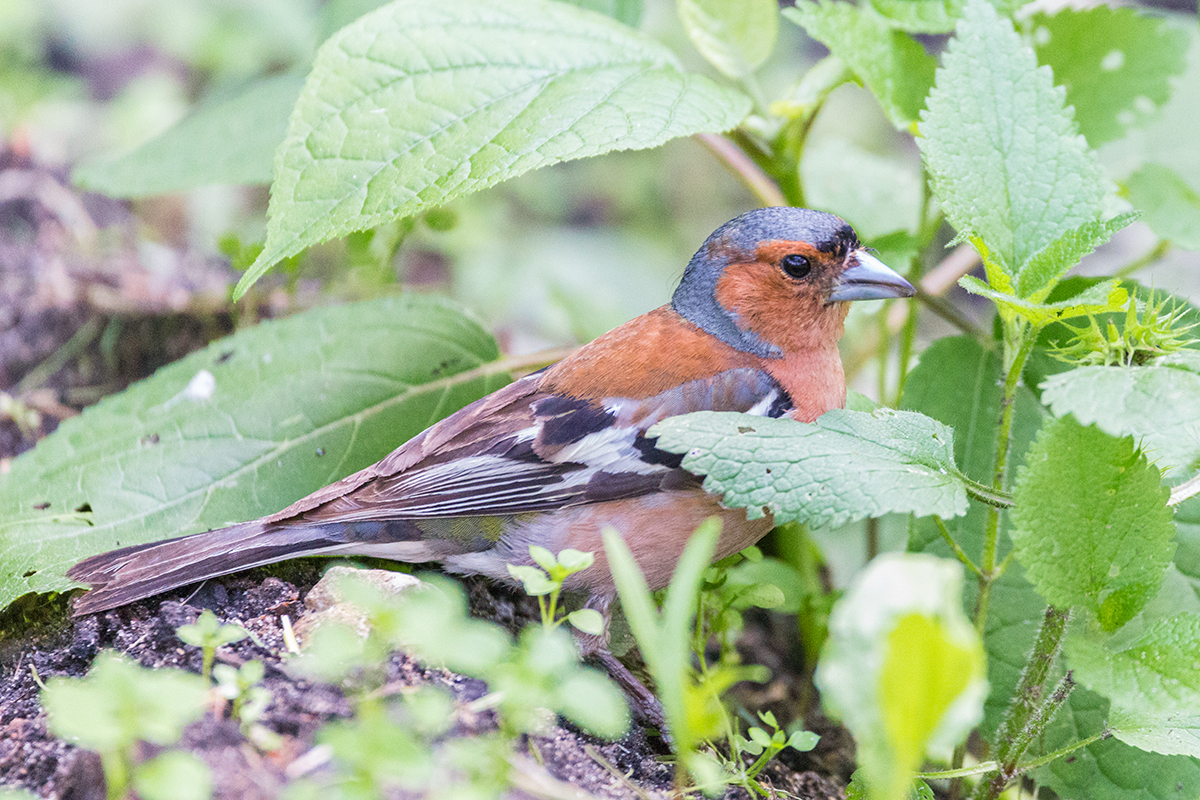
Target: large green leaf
890, 63
1152, 682
847, 465
1170, 206
1158, 404
239, 429
418, 103
1007, 163
1115, 64
229, 139
1109, 768
736, 38
1091, 523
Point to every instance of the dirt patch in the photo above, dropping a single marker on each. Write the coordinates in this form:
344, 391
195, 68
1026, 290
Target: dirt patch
634, 766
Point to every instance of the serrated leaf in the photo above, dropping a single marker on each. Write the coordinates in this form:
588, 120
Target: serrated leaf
847, 465
903, 667
227, 139
1098, 299
736, 38
1006, 161
1167, 734
1108, 768
1171, 207
921, 16
418, 103
239, 429
1115, 64
1158, 405
1090, 522
890, 63
1151, 681
1047, 266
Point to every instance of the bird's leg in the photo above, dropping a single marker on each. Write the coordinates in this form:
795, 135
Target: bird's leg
644, 706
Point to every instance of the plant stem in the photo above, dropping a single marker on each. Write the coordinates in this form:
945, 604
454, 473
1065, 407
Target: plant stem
986, 494
1030, 711
750, 174
1018, 344
958, 551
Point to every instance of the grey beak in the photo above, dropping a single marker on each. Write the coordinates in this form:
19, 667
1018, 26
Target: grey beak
869, 279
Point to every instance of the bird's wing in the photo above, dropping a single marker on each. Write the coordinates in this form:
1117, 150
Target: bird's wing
524, 449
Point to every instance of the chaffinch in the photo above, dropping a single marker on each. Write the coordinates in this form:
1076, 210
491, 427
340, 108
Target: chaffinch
555, 457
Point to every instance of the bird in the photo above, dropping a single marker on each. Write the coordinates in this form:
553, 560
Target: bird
557, 456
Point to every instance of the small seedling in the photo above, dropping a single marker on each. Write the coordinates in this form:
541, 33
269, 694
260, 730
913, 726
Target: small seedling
119, 704
208, 633
765, 746
240, 686
546, 585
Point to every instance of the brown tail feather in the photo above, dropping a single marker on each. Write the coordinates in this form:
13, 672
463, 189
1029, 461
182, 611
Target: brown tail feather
133, 573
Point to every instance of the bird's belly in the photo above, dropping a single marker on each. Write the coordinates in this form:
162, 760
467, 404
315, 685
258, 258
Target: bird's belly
656, 527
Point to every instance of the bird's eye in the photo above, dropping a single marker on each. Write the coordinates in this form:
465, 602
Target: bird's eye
796, 265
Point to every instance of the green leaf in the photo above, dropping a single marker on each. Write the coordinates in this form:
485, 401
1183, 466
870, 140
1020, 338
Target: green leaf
589, 699
664, 640
587, 620
1108, 768
418, 103
119, 703
173, 775
847, 465
230, 138
1047, 266
876, 194
533, 580
1152, 682
903, 668
1098, 299
1004, 156
921, 16
1158, 405
239, 429
627, 11
736, 38
890, 63
1115, 64
1167, 137
574, 560
1091, 524
1171, 207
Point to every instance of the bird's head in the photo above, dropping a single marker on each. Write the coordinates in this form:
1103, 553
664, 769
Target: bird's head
776, 280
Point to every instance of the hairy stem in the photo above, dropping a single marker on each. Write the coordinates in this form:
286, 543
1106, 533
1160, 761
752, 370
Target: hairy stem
1018, 344
1031, 709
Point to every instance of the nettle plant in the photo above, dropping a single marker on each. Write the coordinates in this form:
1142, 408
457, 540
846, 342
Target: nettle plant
1050, 459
